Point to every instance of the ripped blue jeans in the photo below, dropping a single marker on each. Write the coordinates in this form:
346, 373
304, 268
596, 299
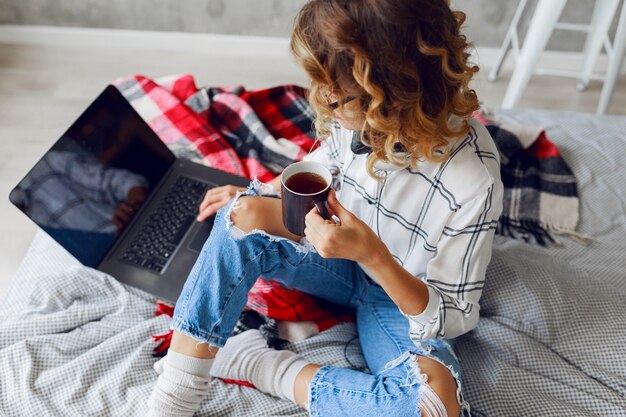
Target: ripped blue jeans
230, 262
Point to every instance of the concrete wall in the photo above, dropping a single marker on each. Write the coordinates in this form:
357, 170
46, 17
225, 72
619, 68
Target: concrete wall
486, 24
237, 17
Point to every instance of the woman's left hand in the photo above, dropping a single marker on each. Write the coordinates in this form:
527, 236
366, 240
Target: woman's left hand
352, 239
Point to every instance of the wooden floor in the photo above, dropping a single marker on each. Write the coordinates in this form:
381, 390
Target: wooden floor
44, 88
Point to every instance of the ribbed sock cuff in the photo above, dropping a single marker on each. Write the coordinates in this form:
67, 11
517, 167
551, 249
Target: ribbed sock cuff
182, 384
288, 381
188, 364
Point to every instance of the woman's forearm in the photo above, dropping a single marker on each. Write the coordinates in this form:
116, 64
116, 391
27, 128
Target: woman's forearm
406, 291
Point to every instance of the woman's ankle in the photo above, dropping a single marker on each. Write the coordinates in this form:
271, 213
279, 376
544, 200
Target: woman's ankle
187, 345
302, 384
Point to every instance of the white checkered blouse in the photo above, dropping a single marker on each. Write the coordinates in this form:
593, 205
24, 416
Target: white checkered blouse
438, 221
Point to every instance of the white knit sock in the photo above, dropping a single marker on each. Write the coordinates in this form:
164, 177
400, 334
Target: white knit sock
246, 357
183, 382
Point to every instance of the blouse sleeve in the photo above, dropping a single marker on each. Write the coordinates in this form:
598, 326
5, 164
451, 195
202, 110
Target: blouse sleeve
456, 275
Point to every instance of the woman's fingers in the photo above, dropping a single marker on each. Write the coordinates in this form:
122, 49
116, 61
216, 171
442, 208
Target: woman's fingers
124, 212
117, 223
211, 209
211, 196
312, 236
321, 233
219, 201
215, 199
313, 219
219, 194
122, 216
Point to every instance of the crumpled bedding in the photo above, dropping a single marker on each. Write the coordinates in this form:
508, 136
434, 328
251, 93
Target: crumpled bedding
550, 342
76, 342
552, 336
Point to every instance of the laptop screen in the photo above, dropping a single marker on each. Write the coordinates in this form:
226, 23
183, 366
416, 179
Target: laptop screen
89, 185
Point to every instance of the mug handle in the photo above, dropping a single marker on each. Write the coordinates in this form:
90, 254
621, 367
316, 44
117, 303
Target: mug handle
322, 209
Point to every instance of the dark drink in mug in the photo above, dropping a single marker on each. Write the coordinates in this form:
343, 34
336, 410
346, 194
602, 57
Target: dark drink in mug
304, 185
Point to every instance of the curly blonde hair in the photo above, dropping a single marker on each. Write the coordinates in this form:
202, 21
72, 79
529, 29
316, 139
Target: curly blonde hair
405, 61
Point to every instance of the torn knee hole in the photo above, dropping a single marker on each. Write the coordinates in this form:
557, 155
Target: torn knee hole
439, 391
242, 215
430, 403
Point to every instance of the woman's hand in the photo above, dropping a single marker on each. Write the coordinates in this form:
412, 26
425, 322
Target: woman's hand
352, 239
136, 196
126, 209
122, 215
215, 199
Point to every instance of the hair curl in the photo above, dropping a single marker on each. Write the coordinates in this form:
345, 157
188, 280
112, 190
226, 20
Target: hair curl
407, 63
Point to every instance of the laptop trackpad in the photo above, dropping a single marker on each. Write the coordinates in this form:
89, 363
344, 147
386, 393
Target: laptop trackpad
202, 234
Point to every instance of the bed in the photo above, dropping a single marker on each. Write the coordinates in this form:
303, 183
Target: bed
551, 340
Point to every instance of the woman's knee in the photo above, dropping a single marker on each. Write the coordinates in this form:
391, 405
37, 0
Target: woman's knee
251, 213
248, 214
442, 388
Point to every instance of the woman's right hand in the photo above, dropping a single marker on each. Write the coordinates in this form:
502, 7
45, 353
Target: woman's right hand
215, 199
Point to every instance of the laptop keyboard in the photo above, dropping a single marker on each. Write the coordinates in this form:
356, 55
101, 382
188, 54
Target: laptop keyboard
156, 242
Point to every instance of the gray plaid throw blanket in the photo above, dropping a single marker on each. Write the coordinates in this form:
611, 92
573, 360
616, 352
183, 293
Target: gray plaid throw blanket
540, 196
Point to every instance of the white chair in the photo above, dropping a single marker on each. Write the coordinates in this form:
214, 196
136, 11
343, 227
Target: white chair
612, 72
544, 21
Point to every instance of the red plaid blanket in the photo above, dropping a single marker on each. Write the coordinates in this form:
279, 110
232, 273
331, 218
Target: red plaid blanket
258, 133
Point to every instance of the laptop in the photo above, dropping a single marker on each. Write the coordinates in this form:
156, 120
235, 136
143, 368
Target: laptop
115, 197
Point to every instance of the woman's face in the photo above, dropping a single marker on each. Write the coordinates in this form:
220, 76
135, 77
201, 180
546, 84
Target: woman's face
347, 111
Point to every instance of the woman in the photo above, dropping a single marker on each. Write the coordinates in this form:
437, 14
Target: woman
419, 196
